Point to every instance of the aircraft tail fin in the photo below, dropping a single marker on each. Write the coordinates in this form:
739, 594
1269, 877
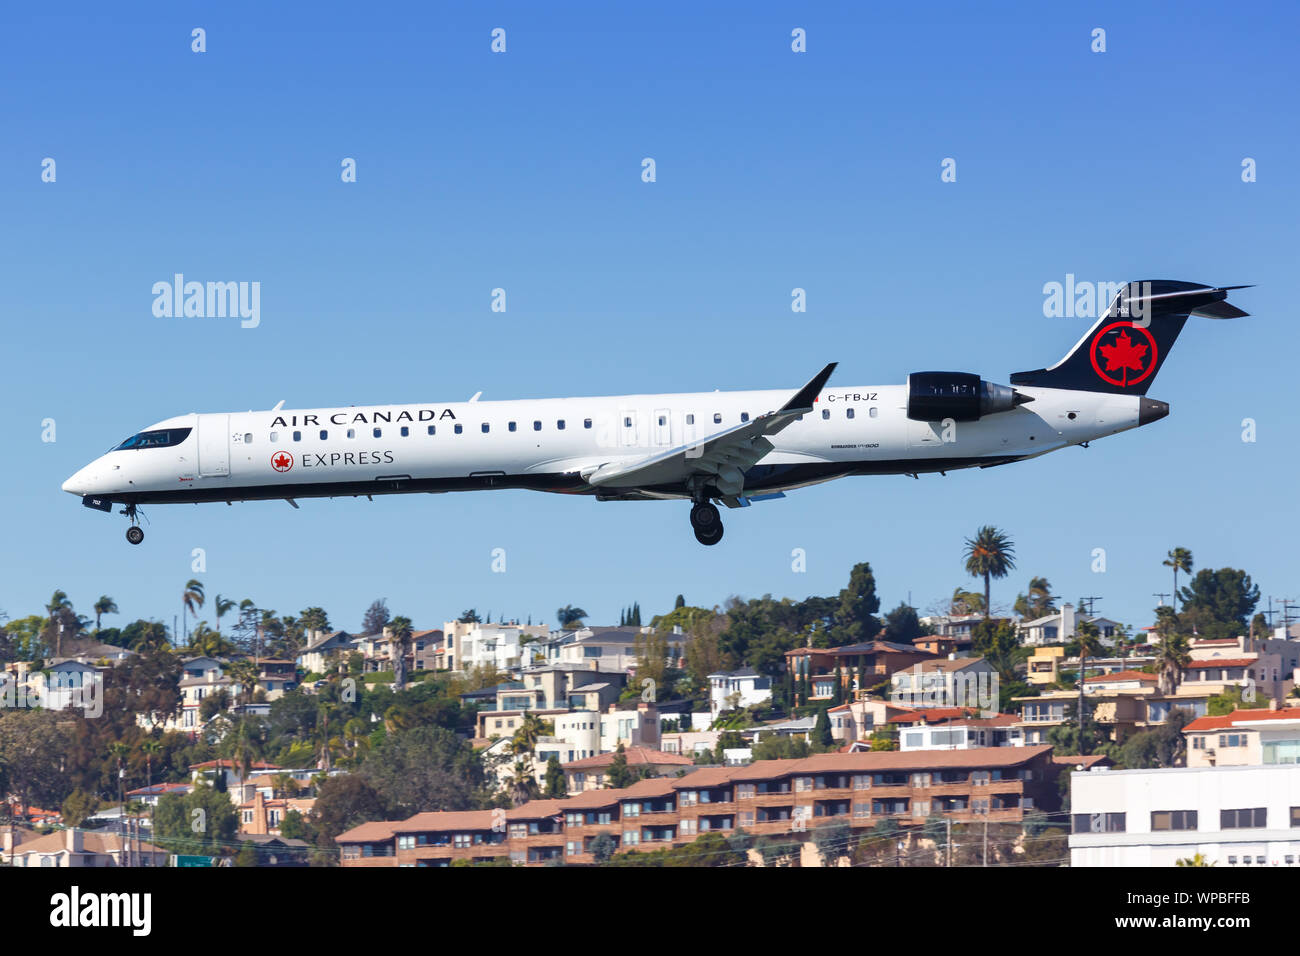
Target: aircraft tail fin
1124, 350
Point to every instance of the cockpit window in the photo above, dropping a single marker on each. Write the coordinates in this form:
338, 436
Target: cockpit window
162, 438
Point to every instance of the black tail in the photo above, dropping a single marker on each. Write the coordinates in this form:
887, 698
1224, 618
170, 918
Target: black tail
1123, 352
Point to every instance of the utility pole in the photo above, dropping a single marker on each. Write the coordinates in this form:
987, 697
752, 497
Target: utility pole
948, 848
1161, 595
1091, 601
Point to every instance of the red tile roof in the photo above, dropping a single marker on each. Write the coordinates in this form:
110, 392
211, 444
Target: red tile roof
375, 831
931, 715
636, 757
1221, 662
1242, 716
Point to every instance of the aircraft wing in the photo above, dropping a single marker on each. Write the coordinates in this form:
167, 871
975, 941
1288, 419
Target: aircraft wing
721, 458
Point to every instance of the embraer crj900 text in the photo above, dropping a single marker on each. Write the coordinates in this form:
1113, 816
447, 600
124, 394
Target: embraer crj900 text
733, 447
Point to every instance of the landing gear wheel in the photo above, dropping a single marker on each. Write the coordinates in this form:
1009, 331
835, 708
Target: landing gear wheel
135, 534
704, 517
712, 536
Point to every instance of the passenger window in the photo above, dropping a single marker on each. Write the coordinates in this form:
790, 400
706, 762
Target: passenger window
744, 416
826, 413
627, 423
690, 419
248, 438
458, 430
379, 433
586, 423
297, 436
848, 413
324, 434
663, 420
537, 426
717, 418
560, 425
873, 411
405, 432
485, 428
432, 429
511, 426
352, 433
275, 436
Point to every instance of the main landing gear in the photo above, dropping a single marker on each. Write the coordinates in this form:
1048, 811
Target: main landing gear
134, 534
706, 522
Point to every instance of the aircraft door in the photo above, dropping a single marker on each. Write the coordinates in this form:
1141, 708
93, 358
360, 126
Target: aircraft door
627, 427
663, 428
214, 445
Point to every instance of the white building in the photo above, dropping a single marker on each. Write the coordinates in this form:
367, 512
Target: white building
503, 646
1233, 816
1061, 627
967, 733
737, 689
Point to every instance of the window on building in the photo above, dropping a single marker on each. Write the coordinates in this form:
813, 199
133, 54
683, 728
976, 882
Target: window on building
1099, 822
1173, 819
1243, 819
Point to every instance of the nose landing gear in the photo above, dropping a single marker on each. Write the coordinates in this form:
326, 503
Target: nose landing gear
707, 523
134, 534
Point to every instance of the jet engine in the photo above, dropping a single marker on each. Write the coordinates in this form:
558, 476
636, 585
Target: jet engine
961, 396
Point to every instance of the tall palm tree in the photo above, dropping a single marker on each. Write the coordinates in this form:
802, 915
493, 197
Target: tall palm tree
531, 729
58, 601
570, 616
1174, 654
400, 628
152, 635
965, 602
105, 605
1180, 559
243, 674
221, 605
150, 749
991, 554
1038, 602
192, 598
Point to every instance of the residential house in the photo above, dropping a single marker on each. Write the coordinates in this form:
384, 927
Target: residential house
729, 690
324, 651
86, 848
1253, 737
948, 682
1062, 626
591, 773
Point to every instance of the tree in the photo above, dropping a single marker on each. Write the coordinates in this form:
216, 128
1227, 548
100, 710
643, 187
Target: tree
902, 624
314, 619
244, 674
294, 827
602, 847
619, 775
400, 628
192, 597
28, 739
221, 606
781, 747
822, 731
78, 807
989, 554
105, 605
425, 768
1038, 602
965, 602
1180, 559
832, 841
556, 788
1219, 603
469, 617
680, 602
376, 617
855, 617
343, 802
1171, 659
1196, 859
570, 617
202, 822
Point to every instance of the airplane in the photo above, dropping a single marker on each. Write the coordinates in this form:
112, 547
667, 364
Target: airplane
736, 448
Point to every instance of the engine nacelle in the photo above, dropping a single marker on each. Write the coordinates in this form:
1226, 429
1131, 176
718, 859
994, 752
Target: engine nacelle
961, 396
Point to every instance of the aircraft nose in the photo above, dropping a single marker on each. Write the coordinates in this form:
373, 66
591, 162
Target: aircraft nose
80, 483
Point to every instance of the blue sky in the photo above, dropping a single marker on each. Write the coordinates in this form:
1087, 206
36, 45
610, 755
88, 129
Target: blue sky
522, 170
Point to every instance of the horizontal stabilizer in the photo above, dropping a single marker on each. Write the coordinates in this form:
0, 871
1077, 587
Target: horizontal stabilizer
1219, 310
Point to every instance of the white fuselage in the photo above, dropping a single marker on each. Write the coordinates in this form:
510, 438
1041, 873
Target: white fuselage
547, 444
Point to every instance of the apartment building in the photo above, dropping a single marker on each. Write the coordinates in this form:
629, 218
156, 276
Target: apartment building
1233, 816
765, 797
1251, 737
858, 667
506, 647
592, 773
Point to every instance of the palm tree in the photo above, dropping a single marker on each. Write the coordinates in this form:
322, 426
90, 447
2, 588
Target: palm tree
1038, 602
150, 749
570, 616
153, 635
991, 554
965, 602
105, 605
1174, 655
120, 751
243, 674
58, 601
192, 598
400, 628
1180, 559
222, 606
531, 729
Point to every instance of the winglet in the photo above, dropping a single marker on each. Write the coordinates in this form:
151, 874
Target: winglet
804, 398
278, 405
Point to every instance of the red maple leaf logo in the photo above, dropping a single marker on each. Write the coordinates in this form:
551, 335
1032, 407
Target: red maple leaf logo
1124, 355
282, 462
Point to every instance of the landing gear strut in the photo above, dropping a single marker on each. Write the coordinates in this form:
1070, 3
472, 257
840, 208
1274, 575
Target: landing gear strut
707, 523
134, 534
